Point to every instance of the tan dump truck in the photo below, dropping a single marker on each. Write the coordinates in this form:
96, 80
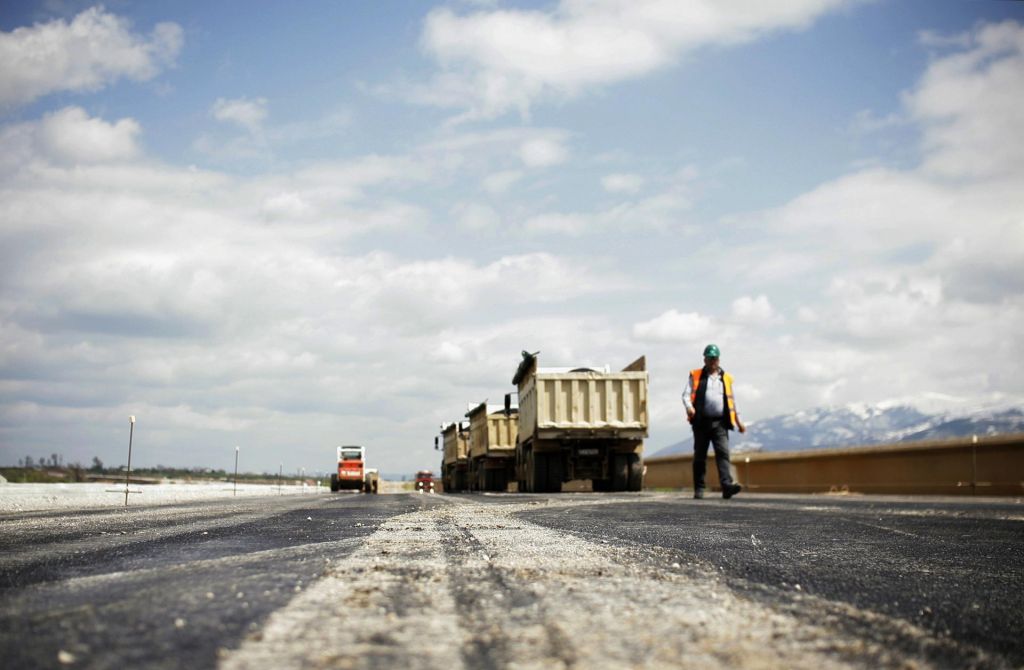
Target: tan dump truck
455, 462
580, 423
492, 447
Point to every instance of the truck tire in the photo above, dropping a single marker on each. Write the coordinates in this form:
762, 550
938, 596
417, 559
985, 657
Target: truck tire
636, 472
334, 483
554, 472
620, 472
497, 480
537, 472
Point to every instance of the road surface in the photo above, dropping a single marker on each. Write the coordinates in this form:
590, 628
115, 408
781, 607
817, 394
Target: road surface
516, 580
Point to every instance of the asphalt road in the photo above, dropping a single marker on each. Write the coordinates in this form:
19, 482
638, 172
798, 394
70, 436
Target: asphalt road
495, 581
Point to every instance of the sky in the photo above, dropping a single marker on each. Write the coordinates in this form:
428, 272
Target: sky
289, 227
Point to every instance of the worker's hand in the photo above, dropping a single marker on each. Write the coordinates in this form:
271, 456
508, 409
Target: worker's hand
740, 426
690, 413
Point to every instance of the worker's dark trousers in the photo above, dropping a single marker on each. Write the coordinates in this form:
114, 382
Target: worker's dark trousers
710, 432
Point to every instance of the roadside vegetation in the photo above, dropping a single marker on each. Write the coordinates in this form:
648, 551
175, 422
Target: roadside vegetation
53, 470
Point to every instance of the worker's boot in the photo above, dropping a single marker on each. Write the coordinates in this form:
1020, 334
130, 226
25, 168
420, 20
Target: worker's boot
698, 494
731, 490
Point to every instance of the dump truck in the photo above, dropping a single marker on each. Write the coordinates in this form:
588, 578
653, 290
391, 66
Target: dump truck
351, 474
492, 447
580, 423
425, 481
371, 481
455, 462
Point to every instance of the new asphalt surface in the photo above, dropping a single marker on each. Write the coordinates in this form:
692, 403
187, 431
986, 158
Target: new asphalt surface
495, 580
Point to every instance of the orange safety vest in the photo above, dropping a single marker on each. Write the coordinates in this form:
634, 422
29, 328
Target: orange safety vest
730, 402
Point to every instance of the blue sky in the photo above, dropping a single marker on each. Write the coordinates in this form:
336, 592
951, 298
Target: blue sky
291, 228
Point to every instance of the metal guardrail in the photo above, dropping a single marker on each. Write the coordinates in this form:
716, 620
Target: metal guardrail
982, 465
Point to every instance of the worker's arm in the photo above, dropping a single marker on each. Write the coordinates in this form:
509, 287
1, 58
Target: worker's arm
687, 392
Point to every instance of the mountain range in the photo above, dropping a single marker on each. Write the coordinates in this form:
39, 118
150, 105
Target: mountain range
856, 425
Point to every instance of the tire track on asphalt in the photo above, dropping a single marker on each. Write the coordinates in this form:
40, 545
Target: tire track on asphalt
491, 608
387, 605
467, 584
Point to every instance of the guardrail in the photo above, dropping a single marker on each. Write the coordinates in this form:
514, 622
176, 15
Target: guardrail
983, 465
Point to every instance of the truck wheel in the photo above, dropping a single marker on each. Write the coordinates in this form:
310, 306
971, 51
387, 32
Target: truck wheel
620, 472
554, 472
636, 472
537, 473
334, 483
496, 480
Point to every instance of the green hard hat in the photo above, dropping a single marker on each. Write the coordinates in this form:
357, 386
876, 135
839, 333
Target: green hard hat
711, 351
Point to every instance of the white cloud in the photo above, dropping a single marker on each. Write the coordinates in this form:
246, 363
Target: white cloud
501, 60
95, 49
542, 152
622, 183
248, 114
71, 135
969, 104
286, 205
476, 217
558, 224
675, 326
754, 310
887, 307
501, 182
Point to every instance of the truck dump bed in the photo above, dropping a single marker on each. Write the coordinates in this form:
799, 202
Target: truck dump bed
491, 431
456, 444
581, 403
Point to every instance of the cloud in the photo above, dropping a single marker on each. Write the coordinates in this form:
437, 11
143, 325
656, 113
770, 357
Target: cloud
887, 307
285, 205
675, 326
969, 105
501, 60
92, 51
248, 114
559, 224
622, 183
754, 310
476, 217
71, 135
500, 182
542, 152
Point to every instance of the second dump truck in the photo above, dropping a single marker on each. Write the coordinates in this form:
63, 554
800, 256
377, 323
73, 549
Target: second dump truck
455, 462
492, 447
580, 423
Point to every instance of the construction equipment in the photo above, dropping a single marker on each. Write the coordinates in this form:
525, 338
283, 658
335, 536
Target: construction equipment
580, 423
425, 481
350, 475
492, 447
455, 462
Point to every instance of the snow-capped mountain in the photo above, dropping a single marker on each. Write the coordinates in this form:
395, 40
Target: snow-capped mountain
855, 425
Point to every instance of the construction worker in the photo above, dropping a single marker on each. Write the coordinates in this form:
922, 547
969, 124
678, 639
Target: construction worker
711, 410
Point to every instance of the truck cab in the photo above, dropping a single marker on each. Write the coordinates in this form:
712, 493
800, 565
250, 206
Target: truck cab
425, 481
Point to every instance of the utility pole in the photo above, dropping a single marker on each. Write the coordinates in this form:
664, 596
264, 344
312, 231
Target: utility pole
128, 473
